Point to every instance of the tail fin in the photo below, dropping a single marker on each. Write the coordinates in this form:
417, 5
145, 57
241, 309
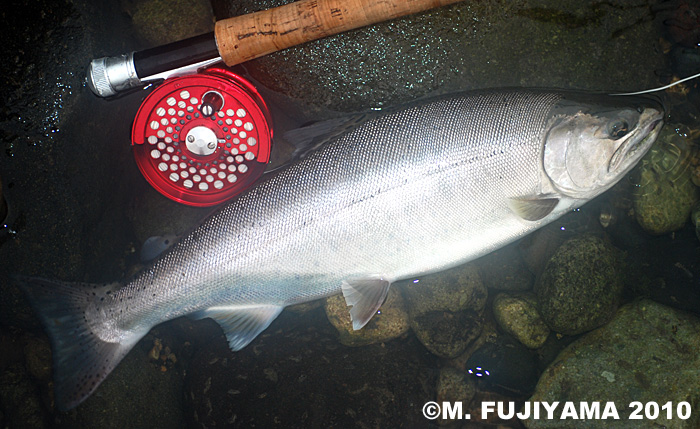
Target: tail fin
81, 360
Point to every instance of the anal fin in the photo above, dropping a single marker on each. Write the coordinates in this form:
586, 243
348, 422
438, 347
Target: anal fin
365, 296
241, 324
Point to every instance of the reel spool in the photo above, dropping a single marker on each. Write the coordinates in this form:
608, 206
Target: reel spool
202, 139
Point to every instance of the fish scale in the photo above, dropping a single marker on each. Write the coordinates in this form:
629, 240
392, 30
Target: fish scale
411, 192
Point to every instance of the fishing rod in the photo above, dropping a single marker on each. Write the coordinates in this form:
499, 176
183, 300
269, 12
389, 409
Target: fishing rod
243, 38
204, 135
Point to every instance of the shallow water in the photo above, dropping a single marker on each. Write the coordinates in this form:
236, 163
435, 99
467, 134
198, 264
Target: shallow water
80, 208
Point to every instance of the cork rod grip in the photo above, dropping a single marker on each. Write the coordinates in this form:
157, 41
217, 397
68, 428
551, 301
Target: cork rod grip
250, 36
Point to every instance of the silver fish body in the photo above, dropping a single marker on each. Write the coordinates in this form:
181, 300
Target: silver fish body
411, 192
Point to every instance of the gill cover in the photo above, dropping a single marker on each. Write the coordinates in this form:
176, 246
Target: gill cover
591, 140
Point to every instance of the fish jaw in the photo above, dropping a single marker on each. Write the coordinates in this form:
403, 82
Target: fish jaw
633, 149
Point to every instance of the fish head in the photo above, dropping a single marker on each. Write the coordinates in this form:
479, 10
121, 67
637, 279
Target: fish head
592, 141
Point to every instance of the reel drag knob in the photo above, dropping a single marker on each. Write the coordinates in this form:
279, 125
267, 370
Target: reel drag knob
202, 139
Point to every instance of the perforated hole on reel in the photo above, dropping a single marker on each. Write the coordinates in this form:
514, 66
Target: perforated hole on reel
202, 139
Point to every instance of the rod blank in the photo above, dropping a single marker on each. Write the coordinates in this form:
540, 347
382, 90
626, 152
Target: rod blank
243, 38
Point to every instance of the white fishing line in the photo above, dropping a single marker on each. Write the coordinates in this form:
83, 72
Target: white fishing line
662, 88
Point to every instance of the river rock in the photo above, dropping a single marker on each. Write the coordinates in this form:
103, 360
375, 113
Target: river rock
647, 353
665, 193
454, 386
517, 315
445, 309
581, 285
537, 249
390, 322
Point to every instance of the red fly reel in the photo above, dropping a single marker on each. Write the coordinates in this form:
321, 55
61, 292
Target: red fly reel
204, 138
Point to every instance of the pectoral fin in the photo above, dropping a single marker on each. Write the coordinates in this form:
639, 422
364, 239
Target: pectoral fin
241, 324
533, 208
365, 296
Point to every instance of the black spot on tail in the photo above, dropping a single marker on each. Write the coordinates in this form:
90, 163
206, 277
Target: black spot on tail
81, 359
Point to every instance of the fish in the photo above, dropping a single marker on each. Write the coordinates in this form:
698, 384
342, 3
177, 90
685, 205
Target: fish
412, 191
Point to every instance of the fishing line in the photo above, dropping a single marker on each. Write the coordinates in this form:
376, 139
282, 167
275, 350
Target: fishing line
661, 88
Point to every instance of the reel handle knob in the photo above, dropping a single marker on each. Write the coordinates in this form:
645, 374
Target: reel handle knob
212, 102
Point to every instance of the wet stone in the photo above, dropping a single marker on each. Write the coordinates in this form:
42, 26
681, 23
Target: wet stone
517, 315
665, 194
551, 349
391, 321
454, 386
648, 352
456, 289
581, 285
446, 308
536, 249
449, 334
489, 333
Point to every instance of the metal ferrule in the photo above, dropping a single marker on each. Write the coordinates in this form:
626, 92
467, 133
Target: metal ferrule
109, 75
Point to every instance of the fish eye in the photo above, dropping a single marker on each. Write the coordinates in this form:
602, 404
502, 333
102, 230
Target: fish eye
618, 129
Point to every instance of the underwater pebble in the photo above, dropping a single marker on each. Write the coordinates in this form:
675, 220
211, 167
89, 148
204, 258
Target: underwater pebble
454, 386
517, 315
665, 193
390, 322
581, 285
446, 309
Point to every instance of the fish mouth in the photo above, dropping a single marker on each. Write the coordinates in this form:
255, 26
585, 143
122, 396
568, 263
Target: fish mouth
632, 149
